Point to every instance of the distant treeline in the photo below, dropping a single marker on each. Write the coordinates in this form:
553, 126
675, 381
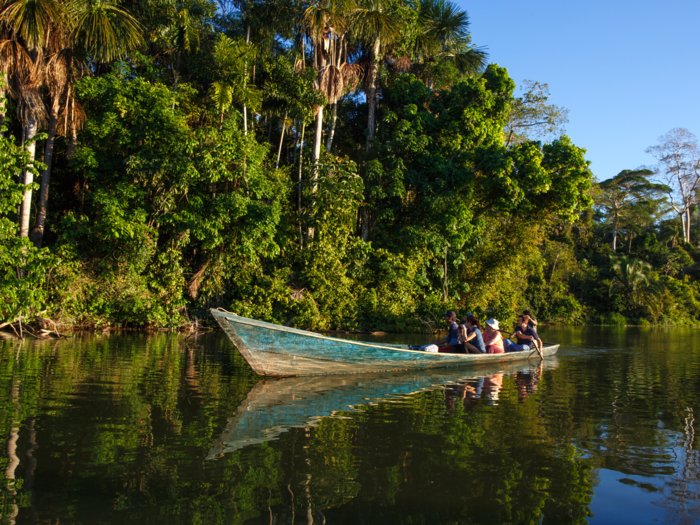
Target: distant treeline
354, 164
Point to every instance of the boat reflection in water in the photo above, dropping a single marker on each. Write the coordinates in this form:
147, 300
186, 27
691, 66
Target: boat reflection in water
275, 405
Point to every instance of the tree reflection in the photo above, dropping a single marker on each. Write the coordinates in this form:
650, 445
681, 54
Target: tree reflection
682, 489
115, 429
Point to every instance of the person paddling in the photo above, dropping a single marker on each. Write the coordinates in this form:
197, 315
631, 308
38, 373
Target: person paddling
532, 323
525, 336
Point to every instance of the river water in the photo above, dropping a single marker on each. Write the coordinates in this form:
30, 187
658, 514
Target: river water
158, 429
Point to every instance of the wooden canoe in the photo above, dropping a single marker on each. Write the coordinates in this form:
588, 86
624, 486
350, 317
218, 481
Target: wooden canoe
274, 350
273, 406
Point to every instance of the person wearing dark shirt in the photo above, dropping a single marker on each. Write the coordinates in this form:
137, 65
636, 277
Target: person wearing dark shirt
532, 323
526, 337
452, 338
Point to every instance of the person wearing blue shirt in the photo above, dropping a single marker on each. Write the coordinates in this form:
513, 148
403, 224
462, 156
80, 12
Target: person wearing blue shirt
474, 343
453, 331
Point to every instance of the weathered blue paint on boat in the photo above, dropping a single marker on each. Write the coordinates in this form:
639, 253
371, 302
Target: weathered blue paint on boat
275, 405
275, 350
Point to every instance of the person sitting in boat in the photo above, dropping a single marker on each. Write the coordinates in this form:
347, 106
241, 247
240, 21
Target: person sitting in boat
524, 335
532, 323
447, 345
460, 347
493, 338
474, 343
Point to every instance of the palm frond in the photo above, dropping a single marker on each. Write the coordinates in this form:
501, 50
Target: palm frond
31, 19
56, 71
184, 35
444, 22
353, 74
104, 29
15, 62
470, 62
372, 21
222, 94
332, 84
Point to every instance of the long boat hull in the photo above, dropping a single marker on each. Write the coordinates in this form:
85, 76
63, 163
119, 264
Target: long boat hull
274, 350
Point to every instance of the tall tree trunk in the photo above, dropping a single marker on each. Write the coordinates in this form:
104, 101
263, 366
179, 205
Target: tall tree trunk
364, 222
320, 64
176, 76
245, 80
3, 99
279, 150
73, 127
37, 234
318, 140
554, 267
296, 144
372, 95
301, 160
687, 224
371, 124
614, 241
331, 133
445, 291
685, 238
30, 133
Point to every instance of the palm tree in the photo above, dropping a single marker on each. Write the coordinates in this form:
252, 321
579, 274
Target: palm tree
291, 92
184, 37
328, 22
443, 33
57, 70
230, 69
15, 64
53, 34
352, 75
29, 23
104, 30
376, 27
630, 277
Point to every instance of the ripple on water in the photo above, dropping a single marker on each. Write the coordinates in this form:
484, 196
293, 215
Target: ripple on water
124, 428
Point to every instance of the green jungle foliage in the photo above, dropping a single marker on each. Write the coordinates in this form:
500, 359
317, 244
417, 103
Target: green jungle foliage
326, 165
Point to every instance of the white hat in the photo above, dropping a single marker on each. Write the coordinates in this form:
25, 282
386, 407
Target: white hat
492, 323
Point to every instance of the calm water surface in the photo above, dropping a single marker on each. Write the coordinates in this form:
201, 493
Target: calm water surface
154, 429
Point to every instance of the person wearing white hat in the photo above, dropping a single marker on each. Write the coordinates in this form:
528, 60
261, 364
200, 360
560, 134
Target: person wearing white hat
493, 338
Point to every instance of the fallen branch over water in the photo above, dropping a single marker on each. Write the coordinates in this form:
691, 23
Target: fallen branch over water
42, 331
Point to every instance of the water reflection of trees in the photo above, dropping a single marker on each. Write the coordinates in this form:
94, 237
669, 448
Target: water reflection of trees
116, 429
681, 490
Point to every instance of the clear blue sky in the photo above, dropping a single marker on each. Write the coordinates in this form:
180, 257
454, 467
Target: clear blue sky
628, 71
